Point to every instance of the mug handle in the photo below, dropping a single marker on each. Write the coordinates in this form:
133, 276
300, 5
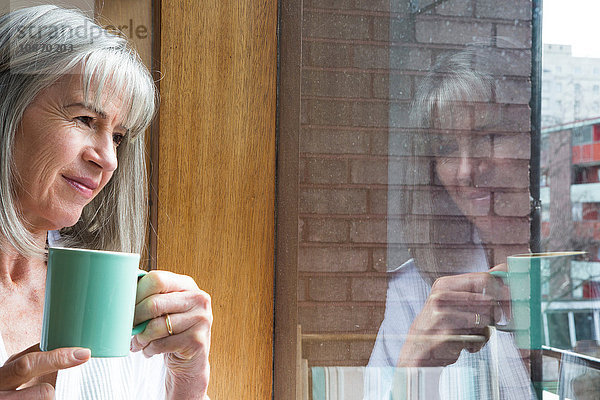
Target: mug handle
139, 328
509, 326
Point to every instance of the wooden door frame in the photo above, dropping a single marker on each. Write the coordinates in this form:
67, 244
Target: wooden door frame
285, 384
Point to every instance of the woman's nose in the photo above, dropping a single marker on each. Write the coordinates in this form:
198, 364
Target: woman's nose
464, 173
470, 170
102, 152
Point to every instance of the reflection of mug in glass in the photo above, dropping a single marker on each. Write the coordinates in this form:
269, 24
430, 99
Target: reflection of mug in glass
90, 301
524, 279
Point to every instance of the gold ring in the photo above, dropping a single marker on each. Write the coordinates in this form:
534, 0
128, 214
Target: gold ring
169, 326
477, 319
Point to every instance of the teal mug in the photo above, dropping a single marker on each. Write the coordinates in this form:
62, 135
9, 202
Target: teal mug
90, 301
524, 279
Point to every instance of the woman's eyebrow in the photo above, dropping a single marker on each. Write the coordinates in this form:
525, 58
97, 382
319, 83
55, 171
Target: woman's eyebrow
94, 109
88, 107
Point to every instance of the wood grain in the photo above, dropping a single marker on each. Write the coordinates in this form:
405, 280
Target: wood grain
216, 176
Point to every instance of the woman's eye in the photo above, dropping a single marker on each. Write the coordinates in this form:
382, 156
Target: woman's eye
118, 138
84, 119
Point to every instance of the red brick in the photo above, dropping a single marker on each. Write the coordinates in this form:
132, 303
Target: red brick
403, 172
338, 318
394, 58
442, 31
505, 173
512, 118
413, 144
501, 230
332, 201
335, 26
501, 252
393, 29
328, 289
301, 289
330, 4
389, 231
452, 260
369, 171
505, 9
369, 288
392, 86
458, 8
512, 91
325, 54
367, 5
336, 84
401, 144
324, 170
512, 146
399, 115
361, 350
332, 259
389, 202
396, 6
368, 231
345, 113
379, 143
334, 141
511, 204
379, 259
439, 202
325, 230
396, 256
450, 231
510, 62
519, 34
325, 351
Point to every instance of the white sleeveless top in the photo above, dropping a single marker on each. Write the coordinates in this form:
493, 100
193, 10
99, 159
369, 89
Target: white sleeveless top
119, 378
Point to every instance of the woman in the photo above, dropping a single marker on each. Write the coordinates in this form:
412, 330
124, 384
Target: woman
75, 103
440, 301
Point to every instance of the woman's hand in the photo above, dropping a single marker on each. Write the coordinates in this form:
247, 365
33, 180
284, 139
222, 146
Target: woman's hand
455, 316
32, 363
162, 293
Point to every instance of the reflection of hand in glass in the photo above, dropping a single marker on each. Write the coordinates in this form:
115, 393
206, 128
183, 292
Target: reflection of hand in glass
455, 316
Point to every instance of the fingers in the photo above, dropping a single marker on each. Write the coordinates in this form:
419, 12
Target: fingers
198, 315
156, 282
157, 328
191, 343
44, 391
22, 368
157, 305
437, 350
477, 282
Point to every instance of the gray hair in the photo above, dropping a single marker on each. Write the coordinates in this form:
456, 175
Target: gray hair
38, 46
456, 82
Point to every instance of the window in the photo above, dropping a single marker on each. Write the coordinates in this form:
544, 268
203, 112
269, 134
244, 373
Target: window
414, 159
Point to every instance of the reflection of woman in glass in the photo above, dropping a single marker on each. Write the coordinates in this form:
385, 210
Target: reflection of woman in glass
441, 301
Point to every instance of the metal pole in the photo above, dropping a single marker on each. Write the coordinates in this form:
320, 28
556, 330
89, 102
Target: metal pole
534, 174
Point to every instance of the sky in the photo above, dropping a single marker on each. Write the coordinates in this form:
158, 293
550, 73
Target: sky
573, 22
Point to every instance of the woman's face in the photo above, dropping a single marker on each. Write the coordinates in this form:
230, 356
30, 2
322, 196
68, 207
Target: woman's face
463, 161
65, 152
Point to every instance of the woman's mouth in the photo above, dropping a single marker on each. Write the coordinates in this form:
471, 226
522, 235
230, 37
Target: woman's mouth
84, 186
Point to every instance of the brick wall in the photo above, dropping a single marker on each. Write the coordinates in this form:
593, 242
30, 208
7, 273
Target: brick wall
361, 62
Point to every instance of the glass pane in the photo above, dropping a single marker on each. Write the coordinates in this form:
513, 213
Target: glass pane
570, 191
414, 160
